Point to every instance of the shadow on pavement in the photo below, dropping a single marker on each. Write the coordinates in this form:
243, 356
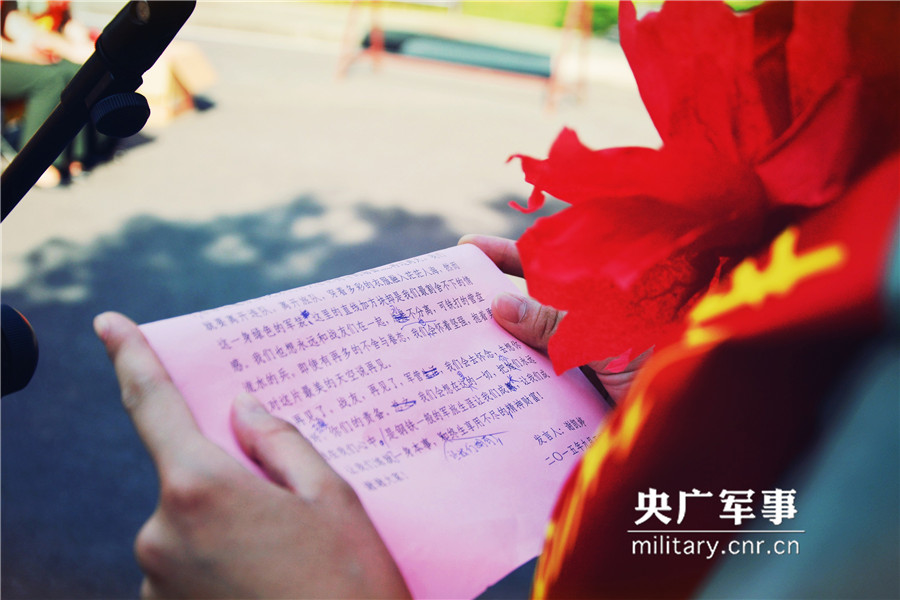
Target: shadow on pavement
77, 484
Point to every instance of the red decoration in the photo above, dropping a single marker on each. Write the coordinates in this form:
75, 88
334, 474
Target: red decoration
764, 117
780, 152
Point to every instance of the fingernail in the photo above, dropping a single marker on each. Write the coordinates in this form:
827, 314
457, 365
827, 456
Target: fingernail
510, 307
101, 325
249, 407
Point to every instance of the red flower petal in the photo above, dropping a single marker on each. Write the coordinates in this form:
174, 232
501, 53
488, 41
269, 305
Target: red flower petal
706, 75
813, 164
563, 258
762, 115
674, 175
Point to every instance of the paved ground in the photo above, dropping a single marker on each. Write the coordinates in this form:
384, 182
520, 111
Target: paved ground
290, 177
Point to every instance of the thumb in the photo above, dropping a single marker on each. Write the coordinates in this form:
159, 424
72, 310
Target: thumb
527, 319
281, 451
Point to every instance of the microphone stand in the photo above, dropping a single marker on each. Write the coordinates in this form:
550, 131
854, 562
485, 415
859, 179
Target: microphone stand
102, 90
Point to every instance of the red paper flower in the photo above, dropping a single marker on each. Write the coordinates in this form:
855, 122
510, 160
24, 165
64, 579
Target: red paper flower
763, 116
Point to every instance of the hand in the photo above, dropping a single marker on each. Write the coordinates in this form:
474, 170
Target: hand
534, 323
221, 531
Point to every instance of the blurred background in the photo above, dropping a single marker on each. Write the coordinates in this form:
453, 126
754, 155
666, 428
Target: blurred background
277, 155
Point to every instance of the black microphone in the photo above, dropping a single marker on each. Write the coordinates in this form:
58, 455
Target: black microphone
19, 352
103, 90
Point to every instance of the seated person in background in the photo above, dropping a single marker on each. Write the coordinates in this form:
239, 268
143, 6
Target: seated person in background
37, 64
40, 55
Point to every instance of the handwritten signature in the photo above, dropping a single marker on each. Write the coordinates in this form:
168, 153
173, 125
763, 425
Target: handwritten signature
461, 448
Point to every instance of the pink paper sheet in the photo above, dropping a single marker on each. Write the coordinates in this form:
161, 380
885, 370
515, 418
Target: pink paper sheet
455, 435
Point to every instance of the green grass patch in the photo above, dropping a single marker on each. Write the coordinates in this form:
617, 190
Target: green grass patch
549, 13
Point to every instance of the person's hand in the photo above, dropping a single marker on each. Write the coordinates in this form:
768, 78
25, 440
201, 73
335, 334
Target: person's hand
534, 323
219, 530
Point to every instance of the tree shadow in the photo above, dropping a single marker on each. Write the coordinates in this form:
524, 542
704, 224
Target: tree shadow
77, 484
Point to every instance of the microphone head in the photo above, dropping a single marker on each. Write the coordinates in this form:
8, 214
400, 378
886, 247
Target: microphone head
19, 352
